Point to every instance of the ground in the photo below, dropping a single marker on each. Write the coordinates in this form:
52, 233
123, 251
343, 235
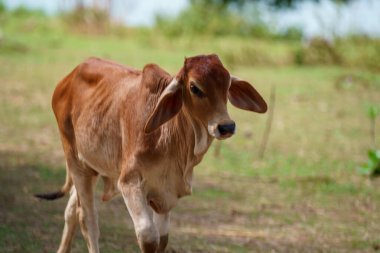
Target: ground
304, 195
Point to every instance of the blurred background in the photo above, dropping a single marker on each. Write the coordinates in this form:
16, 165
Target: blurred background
300, 178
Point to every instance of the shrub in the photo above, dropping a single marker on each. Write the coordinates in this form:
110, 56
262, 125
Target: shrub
360, 52
203, 18
23, 12
372, 166
8, 46
318, 51
2, 7
87, 20
247, 56
292, 33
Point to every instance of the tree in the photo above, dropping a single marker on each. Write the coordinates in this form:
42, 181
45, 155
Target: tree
275, 3
291, 3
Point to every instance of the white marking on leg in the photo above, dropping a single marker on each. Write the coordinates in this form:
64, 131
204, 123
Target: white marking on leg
162, 222
140, 212
71, 221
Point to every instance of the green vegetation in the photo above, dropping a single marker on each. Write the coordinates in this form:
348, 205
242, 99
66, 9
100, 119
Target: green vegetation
220, 18
372, 167
250, 41
305, 196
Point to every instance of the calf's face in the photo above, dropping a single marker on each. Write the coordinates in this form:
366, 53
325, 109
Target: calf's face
208, 87
203, 87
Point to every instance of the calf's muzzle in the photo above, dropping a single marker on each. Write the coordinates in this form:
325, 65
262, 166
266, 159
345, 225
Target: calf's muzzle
227, 129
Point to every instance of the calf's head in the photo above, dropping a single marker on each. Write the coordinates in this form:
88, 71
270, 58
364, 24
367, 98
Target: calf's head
201, 89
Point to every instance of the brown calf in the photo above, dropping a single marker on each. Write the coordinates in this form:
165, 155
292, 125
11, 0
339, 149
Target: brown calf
142, 132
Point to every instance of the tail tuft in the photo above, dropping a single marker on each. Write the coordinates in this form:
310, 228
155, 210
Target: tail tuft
50, 196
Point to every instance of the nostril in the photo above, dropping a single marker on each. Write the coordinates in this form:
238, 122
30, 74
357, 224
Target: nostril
226, 129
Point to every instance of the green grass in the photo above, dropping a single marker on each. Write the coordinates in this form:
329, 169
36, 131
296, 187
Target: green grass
304, 196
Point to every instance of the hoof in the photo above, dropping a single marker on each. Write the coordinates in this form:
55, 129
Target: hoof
163, 243
149, 247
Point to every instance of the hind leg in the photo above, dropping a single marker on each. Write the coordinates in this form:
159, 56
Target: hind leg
71, 221
88, 220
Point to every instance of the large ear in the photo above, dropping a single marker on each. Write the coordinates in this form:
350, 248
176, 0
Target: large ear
242, 95
168, 105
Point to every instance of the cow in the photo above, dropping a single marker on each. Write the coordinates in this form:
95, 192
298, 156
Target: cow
142, 132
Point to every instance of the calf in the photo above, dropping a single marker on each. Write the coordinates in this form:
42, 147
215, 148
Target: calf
142, 132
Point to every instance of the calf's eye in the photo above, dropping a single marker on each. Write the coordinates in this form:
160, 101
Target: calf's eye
195, 90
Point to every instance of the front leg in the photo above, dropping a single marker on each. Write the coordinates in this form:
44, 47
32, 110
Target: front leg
162, 224
141, 213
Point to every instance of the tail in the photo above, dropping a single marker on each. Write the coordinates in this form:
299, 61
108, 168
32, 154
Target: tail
50, 195
58, 194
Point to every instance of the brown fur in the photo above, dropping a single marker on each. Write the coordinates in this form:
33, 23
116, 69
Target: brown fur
142, 132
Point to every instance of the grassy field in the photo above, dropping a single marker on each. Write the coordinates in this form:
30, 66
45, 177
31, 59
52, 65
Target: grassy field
304, 196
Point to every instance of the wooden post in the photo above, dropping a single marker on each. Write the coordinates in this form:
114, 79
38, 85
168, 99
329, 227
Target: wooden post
268, 126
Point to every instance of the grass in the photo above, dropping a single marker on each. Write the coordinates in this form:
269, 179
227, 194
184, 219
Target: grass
304, 196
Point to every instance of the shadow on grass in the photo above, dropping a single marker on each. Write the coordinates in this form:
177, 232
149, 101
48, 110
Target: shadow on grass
31, 225
218, 218
27, 225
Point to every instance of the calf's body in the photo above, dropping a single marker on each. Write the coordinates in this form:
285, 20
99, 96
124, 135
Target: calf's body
142, 132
